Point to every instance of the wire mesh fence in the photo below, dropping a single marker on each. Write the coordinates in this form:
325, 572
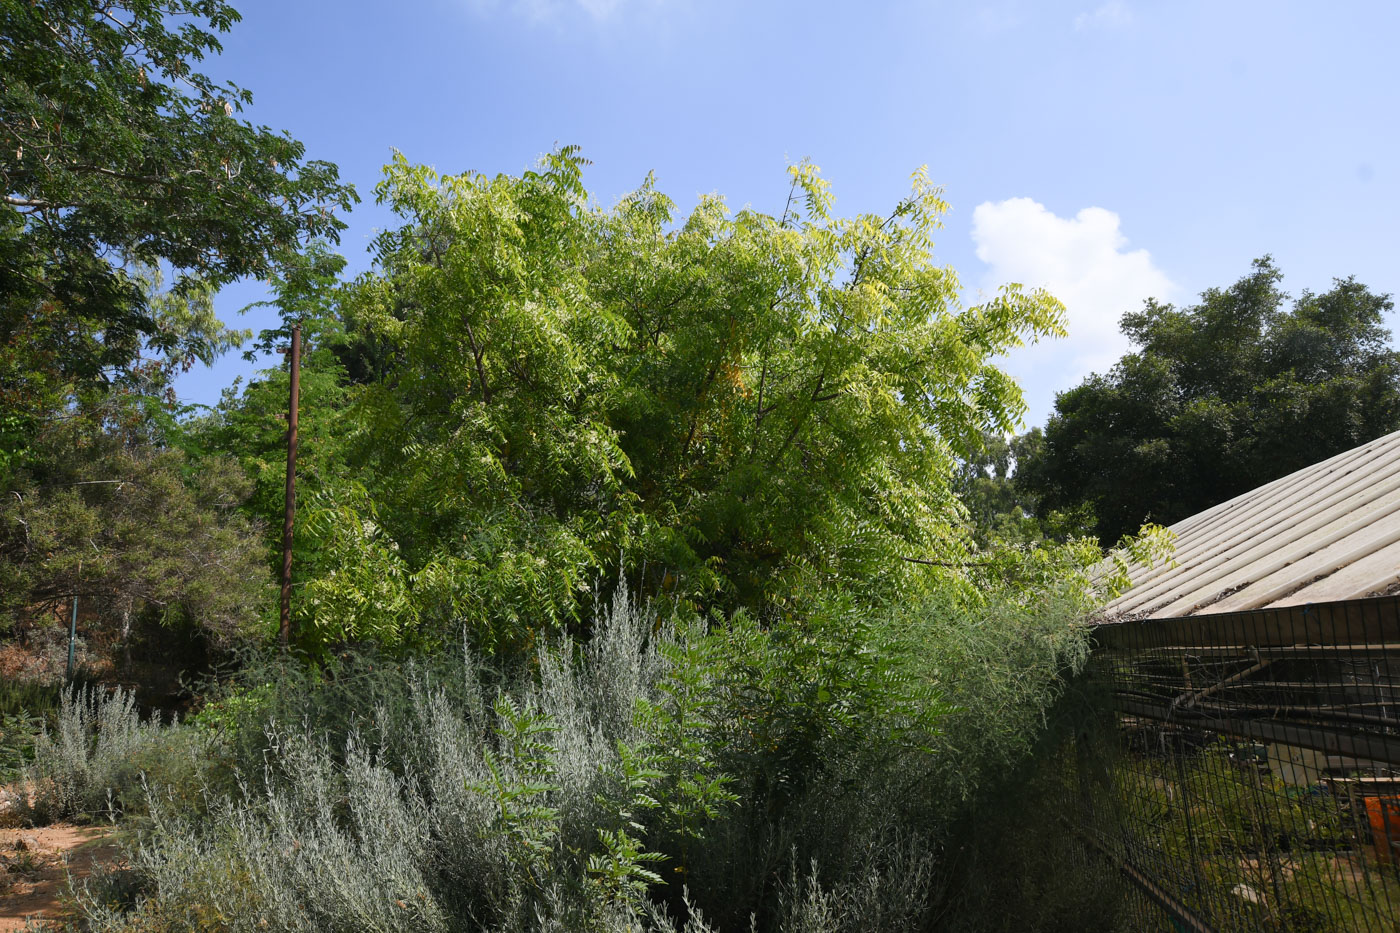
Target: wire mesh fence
1251, 777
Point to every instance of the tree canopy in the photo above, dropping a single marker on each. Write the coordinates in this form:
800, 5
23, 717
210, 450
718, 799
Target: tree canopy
121, 164
135, 528
115, 151
1218, 398
729, 409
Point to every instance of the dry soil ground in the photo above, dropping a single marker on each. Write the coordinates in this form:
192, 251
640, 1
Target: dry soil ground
34, 868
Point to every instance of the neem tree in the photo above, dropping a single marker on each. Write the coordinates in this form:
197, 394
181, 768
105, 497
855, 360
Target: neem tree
735, 409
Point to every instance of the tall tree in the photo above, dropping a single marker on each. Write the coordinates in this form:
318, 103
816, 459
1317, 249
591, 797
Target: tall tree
733, 408
114, 150
118, 159
1219, 397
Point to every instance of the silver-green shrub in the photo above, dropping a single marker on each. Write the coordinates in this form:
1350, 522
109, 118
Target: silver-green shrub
439, 812
807, 780
90, 765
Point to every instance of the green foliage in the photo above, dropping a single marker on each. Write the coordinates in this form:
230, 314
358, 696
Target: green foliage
522, 818
250, 423
234, 710
116, 146
121, 160
1219, 397
350, 582
734, 409
620, 869
810, 773
1022, 862
130, 527
752, 421
305, 288
27, 707
692, 788
18, 732
1000, 507
357, 587
805, 696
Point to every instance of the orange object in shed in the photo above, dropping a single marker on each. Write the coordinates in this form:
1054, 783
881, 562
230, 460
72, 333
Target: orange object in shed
1383, 813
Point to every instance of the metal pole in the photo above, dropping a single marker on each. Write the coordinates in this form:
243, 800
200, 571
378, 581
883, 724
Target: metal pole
72, 633
285, 632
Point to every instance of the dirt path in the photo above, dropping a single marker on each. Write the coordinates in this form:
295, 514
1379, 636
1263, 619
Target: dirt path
33, 878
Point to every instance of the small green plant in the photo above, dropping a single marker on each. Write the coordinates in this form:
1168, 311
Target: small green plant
228, 712
692, 790
21, 863
25, 708
518, 786
621, 868
18, 733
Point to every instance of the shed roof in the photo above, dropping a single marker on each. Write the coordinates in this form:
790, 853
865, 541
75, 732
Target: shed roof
1328, 532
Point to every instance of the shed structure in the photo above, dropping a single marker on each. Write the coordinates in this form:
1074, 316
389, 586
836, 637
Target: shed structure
1254, 779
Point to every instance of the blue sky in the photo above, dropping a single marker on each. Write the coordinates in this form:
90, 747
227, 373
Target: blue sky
1106, 150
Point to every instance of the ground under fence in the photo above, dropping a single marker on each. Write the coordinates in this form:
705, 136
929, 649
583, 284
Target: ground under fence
1251, 780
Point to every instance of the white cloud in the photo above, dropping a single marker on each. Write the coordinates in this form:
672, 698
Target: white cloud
1113, 14
1081, 260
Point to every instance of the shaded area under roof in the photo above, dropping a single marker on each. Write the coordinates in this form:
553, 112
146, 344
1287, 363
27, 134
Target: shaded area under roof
1328, 532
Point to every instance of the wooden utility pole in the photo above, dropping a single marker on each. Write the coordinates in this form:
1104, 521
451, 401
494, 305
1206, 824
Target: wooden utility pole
284, 634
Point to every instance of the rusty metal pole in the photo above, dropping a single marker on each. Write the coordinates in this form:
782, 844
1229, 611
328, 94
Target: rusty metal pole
284, 634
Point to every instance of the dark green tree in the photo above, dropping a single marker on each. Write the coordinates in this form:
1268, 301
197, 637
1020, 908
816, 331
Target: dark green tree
118, 159
1001, 507
1218, 398
115, 151
135, 528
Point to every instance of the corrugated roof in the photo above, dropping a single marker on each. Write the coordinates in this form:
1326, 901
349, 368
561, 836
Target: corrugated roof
1327, 532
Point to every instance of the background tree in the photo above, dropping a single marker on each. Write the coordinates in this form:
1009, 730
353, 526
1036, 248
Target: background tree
120, 161
1001, 507
113, 151
1219, 397
137, 529
339, 574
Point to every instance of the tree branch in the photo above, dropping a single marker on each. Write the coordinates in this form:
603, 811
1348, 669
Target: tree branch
956, 565
35, 203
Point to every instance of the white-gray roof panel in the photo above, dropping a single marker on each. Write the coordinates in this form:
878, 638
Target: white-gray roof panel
1330, 531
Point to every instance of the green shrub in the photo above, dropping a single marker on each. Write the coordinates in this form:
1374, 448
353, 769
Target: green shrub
25, 707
